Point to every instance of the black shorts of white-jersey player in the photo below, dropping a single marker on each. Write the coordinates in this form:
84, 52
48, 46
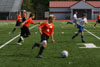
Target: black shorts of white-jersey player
98, 21
80, 26
18, 23
25, 30
44, 39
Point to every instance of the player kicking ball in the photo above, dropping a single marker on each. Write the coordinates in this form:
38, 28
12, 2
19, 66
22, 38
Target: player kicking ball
46, 30
80, 24
25, 28
98, 20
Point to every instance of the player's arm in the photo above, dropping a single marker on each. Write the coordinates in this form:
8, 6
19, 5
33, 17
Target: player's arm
23, 23
52, 38
40, 27
86, 22
76, 23
36, 23
40, 31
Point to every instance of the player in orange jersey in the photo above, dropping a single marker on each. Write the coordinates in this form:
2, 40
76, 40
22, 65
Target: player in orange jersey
18, 22
25, 28
98, 20
46, 30
24, 16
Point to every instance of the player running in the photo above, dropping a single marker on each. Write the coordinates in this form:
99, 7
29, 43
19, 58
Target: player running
24, 16
80, 24
18, 22
46, 30
75, 18
25, 28
98, 20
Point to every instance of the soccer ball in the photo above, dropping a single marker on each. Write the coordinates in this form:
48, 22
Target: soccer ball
64, 53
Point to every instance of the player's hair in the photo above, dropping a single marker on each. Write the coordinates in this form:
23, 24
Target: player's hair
32, 15
51, 17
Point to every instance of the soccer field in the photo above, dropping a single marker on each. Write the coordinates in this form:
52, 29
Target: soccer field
13, 55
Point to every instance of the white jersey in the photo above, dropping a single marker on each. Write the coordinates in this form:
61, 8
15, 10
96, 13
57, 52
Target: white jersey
75, 16
81, 21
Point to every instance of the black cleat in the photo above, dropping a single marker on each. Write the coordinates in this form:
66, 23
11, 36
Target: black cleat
73, 37
39, 56
83, 41
34, 46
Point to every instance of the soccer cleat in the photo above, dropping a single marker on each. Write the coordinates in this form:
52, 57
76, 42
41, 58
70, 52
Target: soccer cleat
34, 45
22, 39
83, 41
73, 37
39, 56
19, 43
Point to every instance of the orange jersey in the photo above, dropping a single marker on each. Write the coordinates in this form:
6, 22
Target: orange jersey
47, 28
98, 17
28, 22
19, 18
24, 15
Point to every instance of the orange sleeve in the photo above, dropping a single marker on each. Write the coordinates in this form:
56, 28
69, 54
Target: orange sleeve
27, 20
41, 25
32, 22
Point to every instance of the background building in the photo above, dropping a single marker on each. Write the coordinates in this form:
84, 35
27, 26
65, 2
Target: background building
9, 9
65, 9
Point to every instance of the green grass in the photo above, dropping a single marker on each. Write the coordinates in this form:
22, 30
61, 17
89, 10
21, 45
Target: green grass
13, 55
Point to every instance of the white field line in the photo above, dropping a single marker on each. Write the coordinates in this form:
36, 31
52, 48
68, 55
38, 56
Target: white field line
14, 38
92, 34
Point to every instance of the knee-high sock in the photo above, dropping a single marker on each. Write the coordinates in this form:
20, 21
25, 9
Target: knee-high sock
13, 30
41, 50
94, 25
75, 35
82, 37
19, 40
37, 44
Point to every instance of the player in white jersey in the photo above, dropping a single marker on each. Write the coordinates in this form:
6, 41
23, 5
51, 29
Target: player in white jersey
80, 24
75, 18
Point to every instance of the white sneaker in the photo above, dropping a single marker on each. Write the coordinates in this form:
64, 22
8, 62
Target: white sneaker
22, 39
9, 33
19, 43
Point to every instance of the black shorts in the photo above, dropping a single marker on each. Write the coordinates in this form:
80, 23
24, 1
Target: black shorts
98, 21
18, 23
25, 31
24, 19
44, 37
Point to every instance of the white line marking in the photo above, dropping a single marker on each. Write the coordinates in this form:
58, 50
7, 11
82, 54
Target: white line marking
88, 45
92, 34
14, 38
